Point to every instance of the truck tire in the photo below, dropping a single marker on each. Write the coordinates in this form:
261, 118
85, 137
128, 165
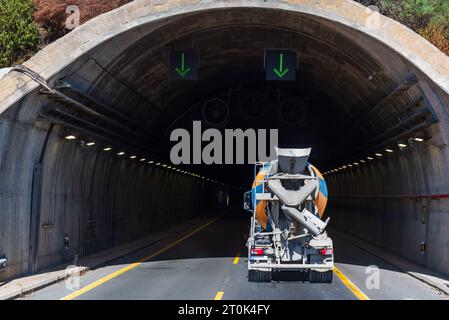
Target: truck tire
321, 277
259, 276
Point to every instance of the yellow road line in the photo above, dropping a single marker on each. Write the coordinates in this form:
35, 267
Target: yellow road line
133, 265
236, 259
219, 295
351, 286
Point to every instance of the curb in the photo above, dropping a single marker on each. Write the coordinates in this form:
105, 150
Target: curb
19, 290
442, 284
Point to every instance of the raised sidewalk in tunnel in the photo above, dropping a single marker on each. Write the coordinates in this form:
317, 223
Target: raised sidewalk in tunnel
22, 285
434, 279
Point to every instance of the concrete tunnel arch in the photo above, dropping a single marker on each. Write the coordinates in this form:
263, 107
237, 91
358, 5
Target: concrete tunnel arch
369, 67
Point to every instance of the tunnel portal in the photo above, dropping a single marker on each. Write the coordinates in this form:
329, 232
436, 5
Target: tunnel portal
85, 125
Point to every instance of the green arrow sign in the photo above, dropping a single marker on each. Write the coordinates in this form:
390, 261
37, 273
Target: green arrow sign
280, 64
280, 71
182, 71
183, 64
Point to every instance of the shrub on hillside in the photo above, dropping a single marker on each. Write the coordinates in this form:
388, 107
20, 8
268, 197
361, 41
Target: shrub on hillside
18, 33
429, 18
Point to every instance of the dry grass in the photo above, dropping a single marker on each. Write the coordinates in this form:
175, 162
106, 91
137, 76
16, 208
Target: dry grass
438, 35
50, 15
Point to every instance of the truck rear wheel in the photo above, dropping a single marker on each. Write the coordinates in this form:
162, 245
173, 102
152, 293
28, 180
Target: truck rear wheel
259, 276
321, 277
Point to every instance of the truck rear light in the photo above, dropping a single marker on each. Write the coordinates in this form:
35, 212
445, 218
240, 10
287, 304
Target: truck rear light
257, 252
325, 251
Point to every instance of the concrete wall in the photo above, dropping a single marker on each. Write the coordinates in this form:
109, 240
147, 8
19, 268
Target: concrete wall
375, 202
95, 197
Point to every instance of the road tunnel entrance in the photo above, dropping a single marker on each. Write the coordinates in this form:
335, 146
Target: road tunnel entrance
375, 117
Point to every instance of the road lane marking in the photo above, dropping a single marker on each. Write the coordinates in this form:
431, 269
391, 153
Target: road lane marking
351, 286
236, 259
133, 265
219, 295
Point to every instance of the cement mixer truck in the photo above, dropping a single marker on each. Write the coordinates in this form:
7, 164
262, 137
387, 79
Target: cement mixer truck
287, 233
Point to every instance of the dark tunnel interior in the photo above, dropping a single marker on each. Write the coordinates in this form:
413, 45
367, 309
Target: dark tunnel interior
337, 83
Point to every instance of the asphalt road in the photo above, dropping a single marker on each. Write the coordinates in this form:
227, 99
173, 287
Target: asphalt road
206, 265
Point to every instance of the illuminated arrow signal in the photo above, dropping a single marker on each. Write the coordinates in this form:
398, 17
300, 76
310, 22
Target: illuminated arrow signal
183, 64
183, 71
280, 71
280, 64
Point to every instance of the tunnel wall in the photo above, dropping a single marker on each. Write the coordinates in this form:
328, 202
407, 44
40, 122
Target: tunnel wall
96, 198
386, 203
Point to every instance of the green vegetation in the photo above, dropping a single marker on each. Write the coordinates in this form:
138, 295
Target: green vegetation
19, 35
417, 14
18, 32
429, 18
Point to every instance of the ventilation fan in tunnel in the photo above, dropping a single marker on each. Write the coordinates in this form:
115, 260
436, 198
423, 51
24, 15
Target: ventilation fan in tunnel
255, 104
215, 112
293, 111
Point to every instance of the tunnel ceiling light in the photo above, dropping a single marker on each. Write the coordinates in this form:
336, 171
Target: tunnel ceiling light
350, 165
362, 161
379, 154
164, 165
70, 137
419, 139
151, 162
389, 150
142, 160
132, 157
158, 164
356, 163
370, 158
107, 149
402, 145
91, 143
120, 153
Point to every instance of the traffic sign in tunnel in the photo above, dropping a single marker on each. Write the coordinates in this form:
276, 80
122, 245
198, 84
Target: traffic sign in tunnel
86, 124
